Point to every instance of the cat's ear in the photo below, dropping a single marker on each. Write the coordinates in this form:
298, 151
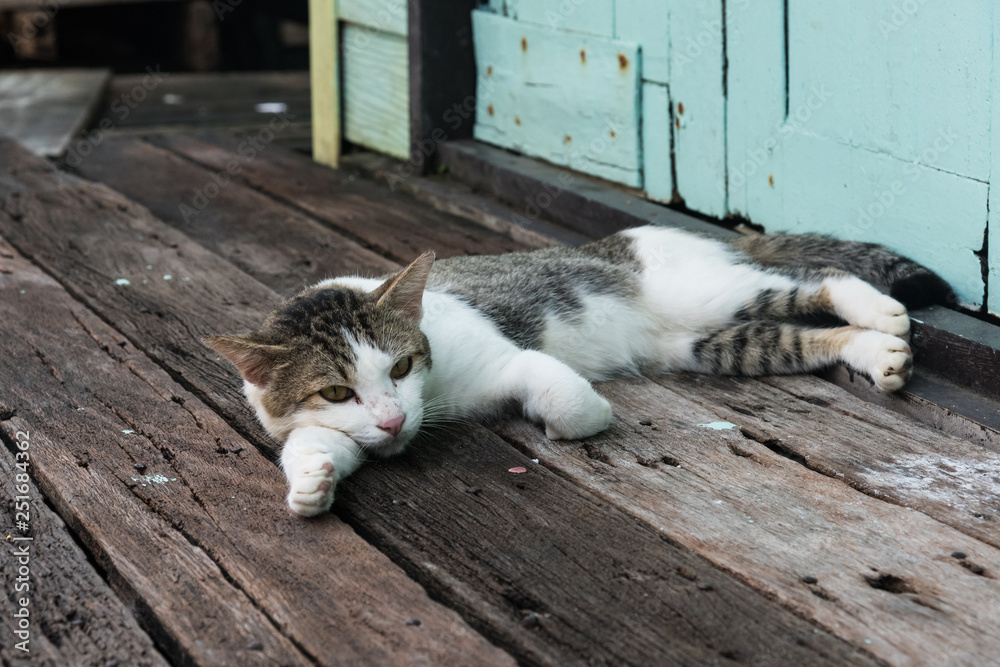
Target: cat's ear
405, 290
256, 362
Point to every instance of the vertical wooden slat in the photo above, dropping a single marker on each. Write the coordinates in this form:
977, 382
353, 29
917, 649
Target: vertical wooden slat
442, 76
993, 223
324, 76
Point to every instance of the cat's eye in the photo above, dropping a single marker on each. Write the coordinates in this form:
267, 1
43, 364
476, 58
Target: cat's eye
401, 368
336, 394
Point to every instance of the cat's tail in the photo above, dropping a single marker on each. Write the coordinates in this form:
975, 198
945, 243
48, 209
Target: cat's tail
914, 285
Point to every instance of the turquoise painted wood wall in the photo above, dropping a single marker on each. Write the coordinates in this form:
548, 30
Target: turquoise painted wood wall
865, 119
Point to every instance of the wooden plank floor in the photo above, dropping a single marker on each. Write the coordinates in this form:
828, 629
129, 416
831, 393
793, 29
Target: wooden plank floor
819, 529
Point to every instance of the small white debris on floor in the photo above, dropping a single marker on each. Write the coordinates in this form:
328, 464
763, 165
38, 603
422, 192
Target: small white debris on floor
123, 281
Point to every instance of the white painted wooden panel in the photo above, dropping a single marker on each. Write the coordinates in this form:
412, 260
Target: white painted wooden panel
376, 90
594, 17
569, 98
696, 69
656, 159
900, 74
381, 15
788, 174
646, 22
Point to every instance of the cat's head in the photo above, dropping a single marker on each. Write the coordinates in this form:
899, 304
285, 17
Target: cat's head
341, 358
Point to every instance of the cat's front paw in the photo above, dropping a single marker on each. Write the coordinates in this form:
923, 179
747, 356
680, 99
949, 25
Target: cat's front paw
311, 489
572, 417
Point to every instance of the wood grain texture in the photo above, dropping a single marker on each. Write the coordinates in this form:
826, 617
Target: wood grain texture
324, 80
383, 15
234, 206
75, 618
392, 224
875, 451
46, 109
375, 90
884, 575
569, 98
206, 488
491, 553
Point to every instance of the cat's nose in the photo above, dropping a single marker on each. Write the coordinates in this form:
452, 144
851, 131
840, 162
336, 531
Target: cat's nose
394, 425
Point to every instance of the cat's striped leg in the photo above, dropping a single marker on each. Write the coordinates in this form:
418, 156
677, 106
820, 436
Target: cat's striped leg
553, 393
773, 348
831, 292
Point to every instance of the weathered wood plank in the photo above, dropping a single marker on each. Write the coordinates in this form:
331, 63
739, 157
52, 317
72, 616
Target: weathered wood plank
646, 22
460, 200
74, 617
569, 98
878, 575
595, 17
584, 582
180, 195
456, 542
875, 451
83, 463
202, 488
143, 102
46, 109
390, 223
375, 90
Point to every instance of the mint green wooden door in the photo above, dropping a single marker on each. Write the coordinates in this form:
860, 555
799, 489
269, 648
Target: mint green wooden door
867, 120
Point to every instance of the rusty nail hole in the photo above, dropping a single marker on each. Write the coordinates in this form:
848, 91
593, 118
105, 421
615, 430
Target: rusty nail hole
770, 180
613, 135
524, 43
517, 120
680, 108
583, 56
567, 139
489, 70
489, 109
622, 61
677, 122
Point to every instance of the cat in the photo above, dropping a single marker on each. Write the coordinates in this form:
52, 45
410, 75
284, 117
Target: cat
356, 366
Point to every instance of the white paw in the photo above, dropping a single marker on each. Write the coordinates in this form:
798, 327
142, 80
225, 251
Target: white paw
887, 359
889, 316
862, 305
311, 488
575, 414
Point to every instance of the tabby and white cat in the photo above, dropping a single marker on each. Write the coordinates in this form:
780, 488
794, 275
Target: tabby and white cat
354, 367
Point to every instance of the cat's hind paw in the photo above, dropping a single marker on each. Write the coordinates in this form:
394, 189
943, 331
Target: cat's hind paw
311, 491
887, 359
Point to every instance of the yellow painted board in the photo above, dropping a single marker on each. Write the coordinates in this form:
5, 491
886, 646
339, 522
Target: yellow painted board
324, 77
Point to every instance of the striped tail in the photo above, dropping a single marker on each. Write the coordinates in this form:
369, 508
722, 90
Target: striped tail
912, 284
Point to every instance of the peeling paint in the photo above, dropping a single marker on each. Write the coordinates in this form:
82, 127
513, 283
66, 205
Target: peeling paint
719, 426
